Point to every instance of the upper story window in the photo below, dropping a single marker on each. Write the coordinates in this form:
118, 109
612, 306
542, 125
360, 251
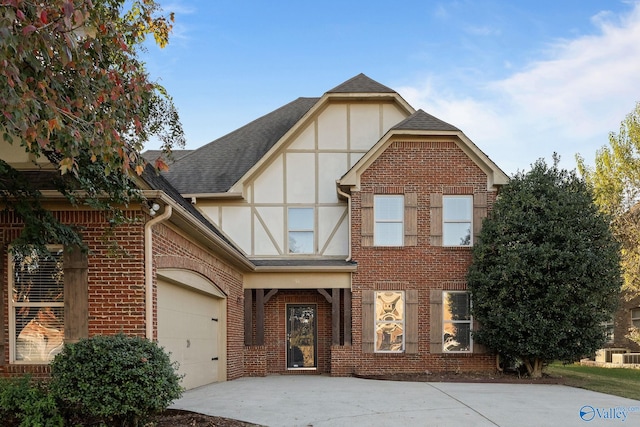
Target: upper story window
301, 230
457, 213
456, 321
388, 214
635, 317
36, 306
389, 319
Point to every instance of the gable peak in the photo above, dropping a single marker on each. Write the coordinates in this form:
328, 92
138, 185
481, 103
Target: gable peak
361, 84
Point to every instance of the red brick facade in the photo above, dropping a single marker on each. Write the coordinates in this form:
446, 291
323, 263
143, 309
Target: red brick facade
116, 280
425, 168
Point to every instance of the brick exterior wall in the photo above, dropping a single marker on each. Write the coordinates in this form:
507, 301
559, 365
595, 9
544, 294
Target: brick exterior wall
622, 323
421, 167
116, 280
275, 334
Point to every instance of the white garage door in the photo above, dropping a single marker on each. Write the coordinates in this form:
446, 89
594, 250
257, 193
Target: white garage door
191, 328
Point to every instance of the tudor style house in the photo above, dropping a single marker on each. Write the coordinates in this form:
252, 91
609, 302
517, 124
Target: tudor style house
331, 235
359, 214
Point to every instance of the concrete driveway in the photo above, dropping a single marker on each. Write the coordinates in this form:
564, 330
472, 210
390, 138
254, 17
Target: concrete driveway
313, 400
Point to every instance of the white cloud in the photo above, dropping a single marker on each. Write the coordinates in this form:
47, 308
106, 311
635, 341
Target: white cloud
567, 102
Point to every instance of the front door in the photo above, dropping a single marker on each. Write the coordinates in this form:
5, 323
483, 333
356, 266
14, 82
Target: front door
301, 336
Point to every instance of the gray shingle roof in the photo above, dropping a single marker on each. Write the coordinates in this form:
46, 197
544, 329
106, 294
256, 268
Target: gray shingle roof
158, 182
424, 121
361, 84
152, 155
215, 167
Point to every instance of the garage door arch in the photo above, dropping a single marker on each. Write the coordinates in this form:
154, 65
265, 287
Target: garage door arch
192, 324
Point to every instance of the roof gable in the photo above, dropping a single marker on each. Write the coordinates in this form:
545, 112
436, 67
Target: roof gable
215, 167
421, 124
361, 84
424, 121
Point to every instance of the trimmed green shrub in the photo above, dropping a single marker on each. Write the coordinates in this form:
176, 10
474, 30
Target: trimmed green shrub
27, 403
116, 380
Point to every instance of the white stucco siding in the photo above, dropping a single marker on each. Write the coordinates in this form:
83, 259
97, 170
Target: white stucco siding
329, 221
301, 178
339, 244
332, 127
364, 125
306, 140
331, 166
269, 230
211, 212
391, 116
269, 185
236, 223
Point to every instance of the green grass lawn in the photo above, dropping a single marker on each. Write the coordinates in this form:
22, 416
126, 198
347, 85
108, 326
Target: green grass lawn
616, 381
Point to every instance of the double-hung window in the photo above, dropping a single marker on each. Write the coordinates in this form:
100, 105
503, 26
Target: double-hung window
388, 214
301, 230
457, 216
36, 306
389, 322
456, 322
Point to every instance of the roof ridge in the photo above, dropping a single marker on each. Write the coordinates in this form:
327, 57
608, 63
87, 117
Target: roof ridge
361, 83
421, 120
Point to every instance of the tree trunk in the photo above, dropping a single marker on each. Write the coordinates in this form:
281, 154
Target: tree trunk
534, 367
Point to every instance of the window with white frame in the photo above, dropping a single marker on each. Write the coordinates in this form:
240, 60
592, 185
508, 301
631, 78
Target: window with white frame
456, 322
635, 317
457, 213
301, 230
36, 306
388, 213
389, 318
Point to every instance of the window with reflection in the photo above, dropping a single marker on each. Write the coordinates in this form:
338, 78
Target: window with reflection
36, 306
457, 212
388, 212
635, 317
389, 318
300, 226
456, 322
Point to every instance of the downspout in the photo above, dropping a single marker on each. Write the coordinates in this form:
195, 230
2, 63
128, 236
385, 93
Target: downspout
348, 196
148, 267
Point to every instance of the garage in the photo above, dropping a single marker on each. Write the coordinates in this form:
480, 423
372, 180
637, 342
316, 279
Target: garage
192, 325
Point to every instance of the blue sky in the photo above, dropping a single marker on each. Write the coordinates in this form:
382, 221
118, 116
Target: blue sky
522, 79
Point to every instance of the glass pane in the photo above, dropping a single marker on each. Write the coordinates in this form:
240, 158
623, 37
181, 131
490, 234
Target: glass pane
456, 337
38, 278
389, 306
389, 337
457, 234
301, 242
388, 234
456, 306
300, 218
301, 334
388, 208
457, 208
39, 333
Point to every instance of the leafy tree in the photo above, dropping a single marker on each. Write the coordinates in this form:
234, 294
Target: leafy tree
74, 91
615, 181
545, 273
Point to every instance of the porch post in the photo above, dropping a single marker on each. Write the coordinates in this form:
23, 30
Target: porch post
347, 316
248, 317
259, 316
335, 315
